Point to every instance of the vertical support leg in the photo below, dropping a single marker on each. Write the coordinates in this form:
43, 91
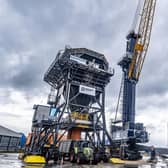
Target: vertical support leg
103, 117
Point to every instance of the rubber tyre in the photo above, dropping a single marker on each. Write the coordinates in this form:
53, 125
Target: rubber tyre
78, 160
72, 157
47, 157
94, 162
105, 159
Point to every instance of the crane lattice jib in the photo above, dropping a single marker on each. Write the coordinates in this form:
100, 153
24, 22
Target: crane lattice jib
143, 39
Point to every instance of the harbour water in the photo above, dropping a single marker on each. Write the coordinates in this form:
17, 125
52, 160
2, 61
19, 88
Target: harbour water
10, 160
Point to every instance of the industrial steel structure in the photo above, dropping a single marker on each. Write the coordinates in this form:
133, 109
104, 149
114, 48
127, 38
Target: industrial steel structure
129, 132
40, 140
78, 77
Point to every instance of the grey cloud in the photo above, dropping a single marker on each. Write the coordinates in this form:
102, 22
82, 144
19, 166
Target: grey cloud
40, 26
150, 127
22, 74
8, 114
5, 96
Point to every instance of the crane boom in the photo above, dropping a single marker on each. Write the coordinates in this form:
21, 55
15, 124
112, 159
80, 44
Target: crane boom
143, 39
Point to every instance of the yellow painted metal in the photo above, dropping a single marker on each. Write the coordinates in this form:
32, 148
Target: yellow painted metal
117, 161
47, 146
80, 116
34, 159
142, 41
82, 126
139, 47
132, 66
34, 166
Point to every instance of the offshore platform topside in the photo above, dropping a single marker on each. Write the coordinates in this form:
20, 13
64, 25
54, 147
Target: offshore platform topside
78, 77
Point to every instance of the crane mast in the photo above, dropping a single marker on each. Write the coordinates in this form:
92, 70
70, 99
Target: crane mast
131, 63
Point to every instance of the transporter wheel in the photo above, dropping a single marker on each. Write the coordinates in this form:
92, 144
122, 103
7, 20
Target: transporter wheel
79, 159
72, 157
105, 159
47, 157
56, 157
94, 162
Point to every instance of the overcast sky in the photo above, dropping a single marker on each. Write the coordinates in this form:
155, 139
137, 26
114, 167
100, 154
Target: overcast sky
32, 32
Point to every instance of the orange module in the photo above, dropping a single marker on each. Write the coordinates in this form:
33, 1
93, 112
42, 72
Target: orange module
74, 134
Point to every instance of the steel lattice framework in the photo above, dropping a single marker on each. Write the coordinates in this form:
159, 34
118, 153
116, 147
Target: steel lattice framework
142, 41
79, 76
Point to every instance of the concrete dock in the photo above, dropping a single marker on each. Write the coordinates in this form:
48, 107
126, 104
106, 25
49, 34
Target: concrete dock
10, 160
